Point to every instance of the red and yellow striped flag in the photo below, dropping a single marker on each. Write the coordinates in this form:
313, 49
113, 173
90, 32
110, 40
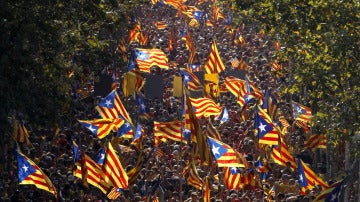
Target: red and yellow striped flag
146, 58
169, 130
205, 107
114, 172
214, 63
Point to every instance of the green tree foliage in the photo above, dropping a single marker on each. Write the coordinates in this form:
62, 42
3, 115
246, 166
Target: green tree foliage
41, 41
320, 51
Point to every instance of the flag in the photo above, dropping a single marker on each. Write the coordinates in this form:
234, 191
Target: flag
208, 21
193, 178
212, 85
138, 132
224, 116
316, 141
301, 113
307, 178
146, 58
224, 155
200, 145
190, 80
270, 104
211, 131
113, 170
205, 107
260, 167
235, 62
214, 63
134, 33
111, 107
169, 130
114, 193
134, 172
20, 133
100, 157
217, 14
30, 173
195, 67
91, 173
281, 155
235, 86
183, 32
267, 133
232, 177
76, 152
206, 190
331, 194
125, 131
133, 82
102, 127
160, 25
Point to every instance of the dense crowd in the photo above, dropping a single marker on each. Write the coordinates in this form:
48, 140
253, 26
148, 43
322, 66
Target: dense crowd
53, 153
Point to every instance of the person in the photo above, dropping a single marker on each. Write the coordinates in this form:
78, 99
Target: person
193, 197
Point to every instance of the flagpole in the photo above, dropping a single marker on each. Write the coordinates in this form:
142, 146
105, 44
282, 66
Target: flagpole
183, 102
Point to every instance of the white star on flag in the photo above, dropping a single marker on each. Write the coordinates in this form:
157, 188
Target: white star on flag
301, 178
91, 128
215, 150
262, 127
25, 168
108, 103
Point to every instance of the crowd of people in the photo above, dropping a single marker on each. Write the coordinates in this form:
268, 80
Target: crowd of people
53, 152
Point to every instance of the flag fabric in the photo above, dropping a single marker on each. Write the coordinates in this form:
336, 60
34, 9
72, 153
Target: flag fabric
30, 173
232, 177
235, 62
146, 58
133, 82
144, 38
134, 172
260, 167
20, 133
206, 190
169, 130
114, 193
76, 152
111, 107
307, 178
102, 127
281, 155
217, 14
212, 85
224, 155
201, 148
316, 141
195, 67
190, 80
160, 25
301, 113
91, 173
224, 116
138, 132
270, 104
134, 33
214, 63
100, 157
211, 131
205, 107
331, 194
208, 21
125, 131
235, 86
113, 170
193, 178
267, 133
